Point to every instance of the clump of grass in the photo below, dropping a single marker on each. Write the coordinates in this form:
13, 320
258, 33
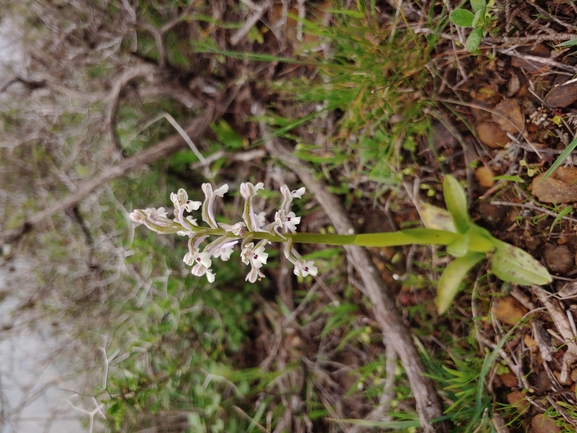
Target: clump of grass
374, 77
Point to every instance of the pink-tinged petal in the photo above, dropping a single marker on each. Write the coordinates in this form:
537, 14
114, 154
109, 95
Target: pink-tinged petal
179, 199
207, 212
305, 268
246, 253
298, 193
224, 253
210, 276
261, 219
192, 205
204, 258
254, 275
249, 191
138, 216
221, 191
258, 257
188, 258
161, 212
235, 229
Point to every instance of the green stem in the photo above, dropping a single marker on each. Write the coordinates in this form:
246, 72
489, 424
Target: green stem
419, 236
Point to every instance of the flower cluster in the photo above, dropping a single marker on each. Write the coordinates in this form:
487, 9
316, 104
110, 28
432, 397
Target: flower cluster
254, 227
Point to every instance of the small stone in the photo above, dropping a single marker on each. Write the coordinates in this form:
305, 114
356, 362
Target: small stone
508, 310
529, 342
485, 177
560, 187
562, 96
543, 383
559, 258
542, 424
517, 399
491, 213
509, 116
508, 379
492, 135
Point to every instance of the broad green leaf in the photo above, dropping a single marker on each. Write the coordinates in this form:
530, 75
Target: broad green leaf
479, 20
513, 265
460, 246
462, 17
560, 159
450, 281
436, 218
456, 202
480, 240
477, 5
474, 39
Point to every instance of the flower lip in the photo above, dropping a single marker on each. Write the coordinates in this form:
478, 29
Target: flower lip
304, 268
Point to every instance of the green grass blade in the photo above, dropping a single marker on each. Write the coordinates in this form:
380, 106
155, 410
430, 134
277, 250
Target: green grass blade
380, 424
560, 159
567, 210
487, 363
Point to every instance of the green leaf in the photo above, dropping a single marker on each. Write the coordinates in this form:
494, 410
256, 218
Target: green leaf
560, 159
462, 17
510, 178
460, 246
450, 281
480, 240
479, 20
567, 210
436, 218
477, 5
566, 44
456, 202
513, 265
228, 136
474, 40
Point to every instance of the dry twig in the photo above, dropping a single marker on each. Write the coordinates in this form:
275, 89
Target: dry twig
428, 404
166, 147
563, 326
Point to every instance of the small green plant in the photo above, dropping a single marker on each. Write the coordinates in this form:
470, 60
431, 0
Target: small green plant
480, 20
473, 243
465, 240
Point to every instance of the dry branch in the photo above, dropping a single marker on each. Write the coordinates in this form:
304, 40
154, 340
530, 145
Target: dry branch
563, 326
428, 404
166, 147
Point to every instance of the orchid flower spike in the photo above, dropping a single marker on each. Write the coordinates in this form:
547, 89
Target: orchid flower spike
227, 236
